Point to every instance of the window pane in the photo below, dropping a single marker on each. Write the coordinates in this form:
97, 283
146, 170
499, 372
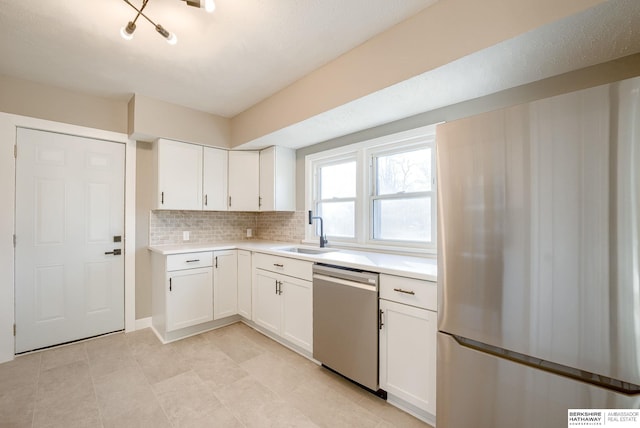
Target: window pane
403, 219
338, 181
404, 172
339, 219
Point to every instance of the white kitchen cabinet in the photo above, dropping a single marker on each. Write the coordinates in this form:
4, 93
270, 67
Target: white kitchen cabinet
189, 298
297, 312
215, 179
408, 341
225, 283
244, 283
244, 181
267, 303
182, 291
277, 179
283, 304
178, 175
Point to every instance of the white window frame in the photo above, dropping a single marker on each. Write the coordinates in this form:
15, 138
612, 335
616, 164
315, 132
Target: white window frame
363, 152
336, 160
403, 147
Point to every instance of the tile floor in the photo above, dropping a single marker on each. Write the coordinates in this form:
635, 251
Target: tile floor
230, 377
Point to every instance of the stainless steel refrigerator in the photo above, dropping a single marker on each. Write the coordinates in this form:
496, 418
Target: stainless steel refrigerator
539, 260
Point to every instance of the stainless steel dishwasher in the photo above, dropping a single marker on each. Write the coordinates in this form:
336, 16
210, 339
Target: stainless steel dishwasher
345, 323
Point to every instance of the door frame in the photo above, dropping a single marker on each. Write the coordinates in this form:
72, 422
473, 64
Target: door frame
8, 139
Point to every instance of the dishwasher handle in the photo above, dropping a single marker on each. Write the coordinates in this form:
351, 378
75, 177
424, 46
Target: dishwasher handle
345, 282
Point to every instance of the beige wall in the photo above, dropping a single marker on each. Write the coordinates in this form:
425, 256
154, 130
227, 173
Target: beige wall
150, 119
144, 201
444, 32
612, 71
31, 99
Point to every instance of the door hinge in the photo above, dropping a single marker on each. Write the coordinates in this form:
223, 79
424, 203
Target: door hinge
14, 240
15, 151
14, 330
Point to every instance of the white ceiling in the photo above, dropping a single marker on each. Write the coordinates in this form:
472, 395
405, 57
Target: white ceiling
223, 63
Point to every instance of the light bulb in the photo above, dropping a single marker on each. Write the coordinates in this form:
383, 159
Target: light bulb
172, 39
127, 31
209, 6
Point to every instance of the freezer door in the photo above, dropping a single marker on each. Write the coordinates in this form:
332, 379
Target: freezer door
475, 389
539, 229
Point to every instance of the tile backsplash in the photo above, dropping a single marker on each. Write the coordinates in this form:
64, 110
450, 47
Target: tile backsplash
166, 227
281, 226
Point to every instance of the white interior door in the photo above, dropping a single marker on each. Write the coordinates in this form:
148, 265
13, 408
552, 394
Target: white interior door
69, 213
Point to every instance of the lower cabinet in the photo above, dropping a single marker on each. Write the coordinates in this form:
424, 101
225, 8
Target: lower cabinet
189, 298
225, 284
244, 283
408, 335
284, 306
182, 291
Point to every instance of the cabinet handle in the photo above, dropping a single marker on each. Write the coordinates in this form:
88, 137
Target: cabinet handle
229, 200
278, 265
276, 286
380, 321
400, 290
193, 261
162, 198
205, 200
259, 201
169, 284
279, 287
216, 262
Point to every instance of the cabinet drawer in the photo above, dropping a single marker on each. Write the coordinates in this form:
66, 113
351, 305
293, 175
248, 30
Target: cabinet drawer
189, 260
409, 291
284, 265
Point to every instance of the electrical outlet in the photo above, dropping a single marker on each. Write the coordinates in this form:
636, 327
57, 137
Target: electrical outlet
249, 233
185, 236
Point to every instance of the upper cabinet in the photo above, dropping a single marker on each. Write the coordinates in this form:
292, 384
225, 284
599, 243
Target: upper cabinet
215, 180
196, 178
277, 179
244, 181
178, 168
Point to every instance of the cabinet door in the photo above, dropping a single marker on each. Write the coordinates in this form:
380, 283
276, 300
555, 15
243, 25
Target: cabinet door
244, 283
244, 181
225, 284
277, 179
297, 312
267, 305
408, 354
189, 298
179, 176
214, 182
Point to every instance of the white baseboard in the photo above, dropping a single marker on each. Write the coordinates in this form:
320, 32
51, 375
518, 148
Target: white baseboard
143, 323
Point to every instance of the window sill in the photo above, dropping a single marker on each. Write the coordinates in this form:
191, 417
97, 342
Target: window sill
387, 249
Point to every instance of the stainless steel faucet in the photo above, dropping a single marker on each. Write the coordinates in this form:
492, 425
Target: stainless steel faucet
323, 238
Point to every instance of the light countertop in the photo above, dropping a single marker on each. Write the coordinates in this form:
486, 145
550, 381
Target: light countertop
408, 266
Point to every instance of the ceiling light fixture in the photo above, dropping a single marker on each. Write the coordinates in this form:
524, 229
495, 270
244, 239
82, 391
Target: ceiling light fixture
208, 5
127, 31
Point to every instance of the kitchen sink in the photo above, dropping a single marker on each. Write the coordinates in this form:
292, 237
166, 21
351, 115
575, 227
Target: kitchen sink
308, 250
